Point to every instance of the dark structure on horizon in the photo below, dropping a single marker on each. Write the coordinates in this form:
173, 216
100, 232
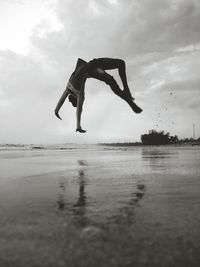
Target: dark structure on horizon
158, 138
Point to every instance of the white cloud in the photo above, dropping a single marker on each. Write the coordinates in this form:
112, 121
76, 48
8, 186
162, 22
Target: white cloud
19, 18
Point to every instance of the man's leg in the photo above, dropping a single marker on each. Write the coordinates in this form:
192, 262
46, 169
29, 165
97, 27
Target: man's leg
79, 108
101, 75
112, 63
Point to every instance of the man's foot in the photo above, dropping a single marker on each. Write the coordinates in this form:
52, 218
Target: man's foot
135, 108
57, 115
132, 104
80, 130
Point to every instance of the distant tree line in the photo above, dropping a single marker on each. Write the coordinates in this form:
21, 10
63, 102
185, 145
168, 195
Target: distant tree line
158, 138
162, 138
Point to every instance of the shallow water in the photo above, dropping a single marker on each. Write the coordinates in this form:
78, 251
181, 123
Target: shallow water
100, 206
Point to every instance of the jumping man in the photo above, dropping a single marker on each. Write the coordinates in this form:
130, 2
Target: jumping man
95, 69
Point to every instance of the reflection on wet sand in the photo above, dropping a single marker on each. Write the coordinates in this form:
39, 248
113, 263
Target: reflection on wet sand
135, 207
79, 208
141, 188
158, 158
82, 184
84, 217
61, 196
81, 202
125, 215
82, 196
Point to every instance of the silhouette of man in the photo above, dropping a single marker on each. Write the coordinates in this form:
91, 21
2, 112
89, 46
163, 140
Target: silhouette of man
95, 69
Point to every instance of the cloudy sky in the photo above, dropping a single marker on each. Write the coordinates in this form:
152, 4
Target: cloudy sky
42, 39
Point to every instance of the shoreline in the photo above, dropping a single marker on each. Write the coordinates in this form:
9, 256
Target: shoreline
73, 146
146, 145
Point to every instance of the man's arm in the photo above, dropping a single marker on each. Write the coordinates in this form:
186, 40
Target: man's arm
60, 103
79, 109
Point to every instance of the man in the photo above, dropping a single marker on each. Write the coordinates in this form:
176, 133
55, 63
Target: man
95, 69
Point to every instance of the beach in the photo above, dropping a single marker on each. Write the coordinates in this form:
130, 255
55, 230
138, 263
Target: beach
95, 205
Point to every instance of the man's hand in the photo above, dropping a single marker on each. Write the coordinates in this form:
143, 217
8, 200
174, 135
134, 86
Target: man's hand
80, 130
57, 115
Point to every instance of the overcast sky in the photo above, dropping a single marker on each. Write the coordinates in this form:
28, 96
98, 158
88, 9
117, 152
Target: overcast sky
42, 39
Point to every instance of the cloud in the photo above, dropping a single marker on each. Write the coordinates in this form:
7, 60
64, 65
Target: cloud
18, 19
190, 86
159, 41
157, 26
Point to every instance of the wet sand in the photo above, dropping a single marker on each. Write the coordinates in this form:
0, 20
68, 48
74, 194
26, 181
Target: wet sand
100, 206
